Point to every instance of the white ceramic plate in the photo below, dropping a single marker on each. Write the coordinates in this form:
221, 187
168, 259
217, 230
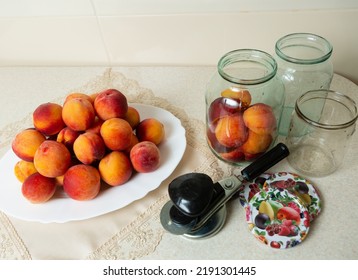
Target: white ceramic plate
62, 209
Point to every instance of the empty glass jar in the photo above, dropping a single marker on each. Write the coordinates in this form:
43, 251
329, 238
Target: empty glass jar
320, 131
303, 64
244, 101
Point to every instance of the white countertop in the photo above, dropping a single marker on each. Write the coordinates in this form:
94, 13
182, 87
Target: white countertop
332, 234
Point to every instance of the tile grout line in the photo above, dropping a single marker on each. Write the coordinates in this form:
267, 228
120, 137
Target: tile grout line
101, 34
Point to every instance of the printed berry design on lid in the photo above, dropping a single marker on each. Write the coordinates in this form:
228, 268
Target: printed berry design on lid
277, 218
302, 188
250, 188
295, 184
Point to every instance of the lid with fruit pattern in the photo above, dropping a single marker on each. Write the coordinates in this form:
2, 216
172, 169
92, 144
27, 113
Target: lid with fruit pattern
303, 189
277, 217
250, 188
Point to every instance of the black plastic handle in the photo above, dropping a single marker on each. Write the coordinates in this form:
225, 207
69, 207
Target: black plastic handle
264, 162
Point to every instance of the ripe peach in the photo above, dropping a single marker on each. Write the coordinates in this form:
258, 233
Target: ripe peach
222, 107
38, 188
242, 96
67, 136
256, 143
96, 126
52, 159
151, 130
235, 155
82, 182
24, 169
115, 168
26, 143
251, 157
59, 180
111, 103
93, 96
78, 114
260, 118
213, 142
134, 140
116, 134
89, 147
145, 157
132, 117
231, 131
78, 95
47, 118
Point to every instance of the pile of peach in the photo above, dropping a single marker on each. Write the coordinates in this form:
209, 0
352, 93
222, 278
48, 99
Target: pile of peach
88, 142
238, 130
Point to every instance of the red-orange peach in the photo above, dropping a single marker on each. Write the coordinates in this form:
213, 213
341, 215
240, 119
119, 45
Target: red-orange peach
132, 117
256, 143
78, 95
93, 96
213, 142
26, 143
260, 118
47, 118
145, 157
82, 182
251, 157
24, 169
134, 140
38, 189
78, 114
116, 133
111, 103
231, 131
67, 136
89, 147
59, 180
235, 155
241, 95
222, 107
115, 168
96, 126
151, 130
52, 159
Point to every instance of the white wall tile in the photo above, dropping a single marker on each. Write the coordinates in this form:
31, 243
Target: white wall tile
165, 7
203, 39
51, 41
162, 39
152, 32
30, 8
263, 29
24, 8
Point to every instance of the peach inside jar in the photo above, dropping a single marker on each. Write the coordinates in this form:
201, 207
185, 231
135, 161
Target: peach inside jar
237, 130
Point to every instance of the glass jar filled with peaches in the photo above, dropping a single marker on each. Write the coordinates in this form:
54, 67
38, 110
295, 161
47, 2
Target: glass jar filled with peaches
244, 102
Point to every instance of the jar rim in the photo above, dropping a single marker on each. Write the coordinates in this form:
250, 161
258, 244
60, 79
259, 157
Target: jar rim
313, 94
252, 55
309, 38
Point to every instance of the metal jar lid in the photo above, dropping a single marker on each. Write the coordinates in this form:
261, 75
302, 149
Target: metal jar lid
279, 208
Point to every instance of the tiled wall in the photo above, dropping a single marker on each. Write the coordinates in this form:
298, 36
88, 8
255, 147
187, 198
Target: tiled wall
167, 32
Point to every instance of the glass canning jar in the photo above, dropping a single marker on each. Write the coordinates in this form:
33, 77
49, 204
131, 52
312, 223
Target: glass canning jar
321, 128
303, 64
244, 101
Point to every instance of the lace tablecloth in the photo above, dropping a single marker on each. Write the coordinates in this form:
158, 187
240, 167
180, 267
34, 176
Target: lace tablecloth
134, 232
